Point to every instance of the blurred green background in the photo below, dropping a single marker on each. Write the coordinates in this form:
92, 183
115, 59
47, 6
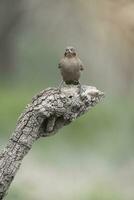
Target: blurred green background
91, 159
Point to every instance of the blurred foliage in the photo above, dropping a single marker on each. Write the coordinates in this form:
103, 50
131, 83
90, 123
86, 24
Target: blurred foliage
104, 193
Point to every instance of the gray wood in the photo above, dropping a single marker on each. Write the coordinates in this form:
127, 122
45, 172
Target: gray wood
48, 111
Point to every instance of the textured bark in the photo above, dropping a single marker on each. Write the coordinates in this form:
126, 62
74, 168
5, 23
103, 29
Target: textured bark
48, 111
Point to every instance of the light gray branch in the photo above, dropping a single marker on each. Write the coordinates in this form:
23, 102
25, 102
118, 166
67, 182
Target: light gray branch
49, 111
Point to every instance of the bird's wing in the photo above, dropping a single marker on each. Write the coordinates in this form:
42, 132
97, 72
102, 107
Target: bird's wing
60, 63
81, 67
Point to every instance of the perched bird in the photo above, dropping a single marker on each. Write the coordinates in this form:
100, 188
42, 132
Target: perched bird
70, 66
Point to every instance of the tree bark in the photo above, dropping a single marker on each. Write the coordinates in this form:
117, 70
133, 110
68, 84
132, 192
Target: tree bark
50, 110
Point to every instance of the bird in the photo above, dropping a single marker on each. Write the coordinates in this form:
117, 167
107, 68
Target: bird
70, 67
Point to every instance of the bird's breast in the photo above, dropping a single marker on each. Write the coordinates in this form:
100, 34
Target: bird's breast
71, 65
70, 69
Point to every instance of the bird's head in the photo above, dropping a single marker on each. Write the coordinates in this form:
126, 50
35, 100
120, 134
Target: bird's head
70, 52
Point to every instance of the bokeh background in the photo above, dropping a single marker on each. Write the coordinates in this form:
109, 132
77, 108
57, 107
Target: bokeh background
93, 158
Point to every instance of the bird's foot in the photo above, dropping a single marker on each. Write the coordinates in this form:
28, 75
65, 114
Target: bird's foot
80, 89
60, 85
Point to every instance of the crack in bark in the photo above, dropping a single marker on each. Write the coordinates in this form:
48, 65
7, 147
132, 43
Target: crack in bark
49, 111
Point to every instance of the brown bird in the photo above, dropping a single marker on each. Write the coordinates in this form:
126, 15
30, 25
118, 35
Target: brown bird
70, 66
